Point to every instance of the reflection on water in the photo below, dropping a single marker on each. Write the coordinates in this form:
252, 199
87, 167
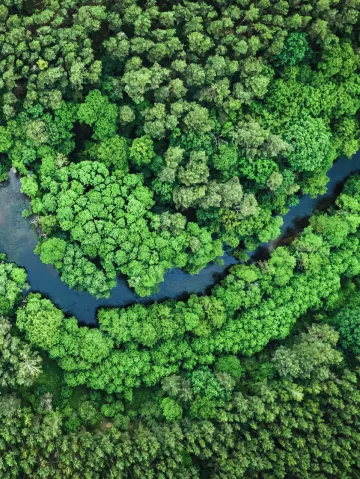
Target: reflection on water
18, 240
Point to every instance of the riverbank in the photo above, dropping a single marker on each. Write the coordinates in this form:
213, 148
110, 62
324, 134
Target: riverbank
18, 240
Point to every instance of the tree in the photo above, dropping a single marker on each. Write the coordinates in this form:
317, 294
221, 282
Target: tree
196, 169
19, 364
141, 151
98, 112
171, 409
52, 251
41, 321
311, 145
296, 49
12, 282
347, 321
5, 140
126, 114
102, 225
230, 365
148, 135
113, 152
310, 356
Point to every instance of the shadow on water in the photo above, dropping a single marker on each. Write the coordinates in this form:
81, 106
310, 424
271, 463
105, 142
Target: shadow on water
18, 240
298, 217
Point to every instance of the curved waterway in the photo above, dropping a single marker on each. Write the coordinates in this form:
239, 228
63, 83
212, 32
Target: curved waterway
18, 240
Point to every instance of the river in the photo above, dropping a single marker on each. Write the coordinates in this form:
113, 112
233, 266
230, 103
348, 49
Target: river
18, 240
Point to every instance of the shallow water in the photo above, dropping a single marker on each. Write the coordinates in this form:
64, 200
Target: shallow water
18, 240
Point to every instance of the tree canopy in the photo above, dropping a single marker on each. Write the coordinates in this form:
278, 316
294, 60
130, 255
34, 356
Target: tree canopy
151, 135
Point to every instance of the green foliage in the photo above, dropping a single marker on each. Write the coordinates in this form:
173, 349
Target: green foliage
12, 282
240, 429
5, 140
142, 151
296, 49
312, 354
347, 321
113, 152
99, 113
126, 114
252, 306
29, 186
311, 147
125, 119
52, 251
109, 228
254, 91
230, 365
19, 365
78, 348
41, 321
171, 409
37, 134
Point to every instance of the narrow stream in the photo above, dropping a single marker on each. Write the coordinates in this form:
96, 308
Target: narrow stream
18, 240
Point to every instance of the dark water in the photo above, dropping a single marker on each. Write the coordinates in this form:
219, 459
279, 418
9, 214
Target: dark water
18, 240
298, 216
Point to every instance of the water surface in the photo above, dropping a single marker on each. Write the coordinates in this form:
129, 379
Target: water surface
18, 240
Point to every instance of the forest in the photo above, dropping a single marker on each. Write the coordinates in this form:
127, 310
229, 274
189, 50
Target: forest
151, 135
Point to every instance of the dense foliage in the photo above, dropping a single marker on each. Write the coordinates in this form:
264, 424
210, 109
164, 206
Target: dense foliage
109, 217
12, 282
148, 135
292, 411
221, 110
253, 305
